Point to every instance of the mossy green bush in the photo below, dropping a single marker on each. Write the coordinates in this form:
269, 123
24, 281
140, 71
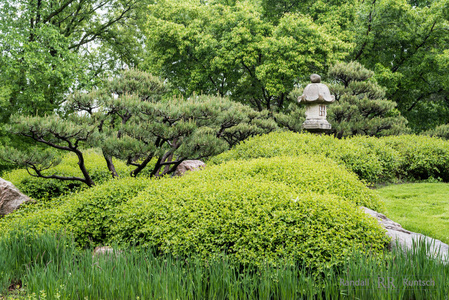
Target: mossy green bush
87, 214
303, 208
40, 188
422, 157
252, 222
303, 173
375, 160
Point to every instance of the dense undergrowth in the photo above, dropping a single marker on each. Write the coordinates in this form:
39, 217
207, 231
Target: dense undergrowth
277, 197
304, 208
50, 266
375, 160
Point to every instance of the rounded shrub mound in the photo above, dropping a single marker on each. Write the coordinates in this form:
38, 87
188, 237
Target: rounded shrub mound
88, 214
423, 157
40, 188
252, 221
362, 160
303, 174
255, 211
375, 160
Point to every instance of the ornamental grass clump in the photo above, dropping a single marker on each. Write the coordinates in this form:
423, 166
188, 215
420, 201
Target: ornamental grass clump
49, 266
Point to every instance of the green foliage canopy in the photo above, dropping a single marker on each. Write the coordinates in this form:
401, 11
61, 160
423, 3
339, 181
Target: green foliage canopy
231, 50
129, 119
406, 43
48, 47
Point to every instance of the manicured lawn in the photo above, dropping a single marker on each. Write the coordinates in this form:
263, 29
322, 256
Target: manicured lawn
419, 207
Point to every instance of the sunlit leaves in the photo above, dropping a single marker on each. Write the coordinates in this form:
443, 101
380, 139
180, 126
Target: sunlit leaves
232, 50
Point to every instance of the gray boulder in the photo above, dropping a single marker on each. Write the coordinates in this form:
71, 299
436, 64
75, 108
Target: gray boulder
106, 251
10, 197
103, 250
405, 239
189, 165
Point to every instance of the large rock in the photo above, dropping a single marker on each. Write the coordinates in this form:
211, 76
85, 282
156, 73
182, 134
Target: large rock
10, 197
189, 165
405, 239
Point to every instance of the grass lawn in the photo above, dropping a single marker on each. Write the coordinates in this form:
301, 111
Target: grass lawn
419, 207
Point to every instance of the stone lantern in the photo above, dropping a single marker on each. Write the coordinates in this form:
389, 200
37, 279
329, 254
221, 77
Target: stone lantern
316, 96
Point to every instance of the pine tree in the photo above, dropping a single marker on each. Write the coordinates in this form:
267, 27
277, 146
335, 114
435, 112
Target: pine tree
360, 107
130, 119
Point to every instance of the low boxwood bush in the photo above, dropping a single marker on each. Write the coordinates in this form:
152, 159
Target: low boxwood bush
375, 160
252, 221
40, 188
304, 208
86, 214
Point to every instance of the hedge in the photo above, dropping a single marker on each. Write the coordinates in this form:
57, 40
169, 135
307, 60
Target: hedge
303, 208
375, 160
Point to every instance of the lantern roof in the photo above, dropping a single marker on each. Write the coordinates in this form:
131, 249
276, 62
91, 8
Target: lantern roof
316, 92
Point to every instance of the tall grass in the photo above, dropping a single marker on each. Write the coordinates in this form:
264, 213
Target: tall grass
51, 267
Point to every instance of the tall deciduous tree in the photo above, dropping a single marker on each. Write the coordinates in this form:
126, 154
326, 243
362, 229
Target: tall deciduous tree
232, 50
336, 15
49, 46
406, 43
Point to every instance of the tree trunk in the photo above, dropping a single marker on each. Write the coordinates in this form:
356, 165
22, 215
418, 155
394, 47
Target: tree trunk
110, 165
82, 165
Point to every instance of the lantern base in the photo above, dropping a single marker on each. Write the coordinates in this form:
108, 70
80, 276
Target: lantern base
316, 125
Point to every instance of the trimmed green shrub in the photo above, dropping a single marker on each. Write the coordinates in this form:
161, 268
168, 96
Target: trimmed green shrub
40, 188
422, 157
375, 160
302, 173
87, 214
362, 160
304, 208
252, 221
